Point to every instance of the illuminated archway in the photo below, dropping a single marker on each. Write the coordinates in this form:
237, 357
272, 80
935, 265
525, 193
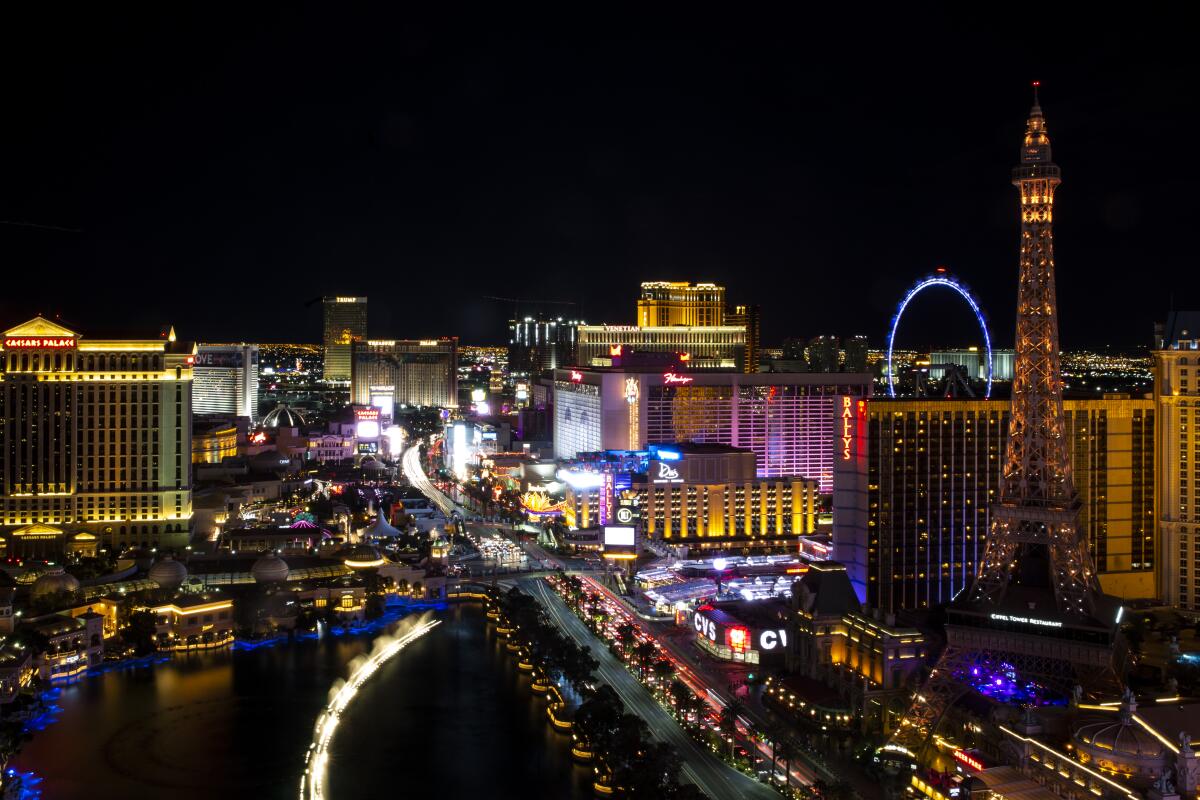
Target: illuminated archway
940, 278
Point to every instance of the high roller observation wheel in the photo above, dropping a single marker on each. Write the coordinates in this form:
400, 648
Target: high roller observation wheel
939, 278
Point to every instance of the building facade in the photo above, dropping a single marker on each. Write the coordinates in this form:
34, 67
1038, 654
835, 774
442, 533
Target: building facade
95, 438
405, 372
750, 318
787, 420
934, 469
719, 347
539, 344
701, 497
1177, 456
225, 380
345, 324
670, 303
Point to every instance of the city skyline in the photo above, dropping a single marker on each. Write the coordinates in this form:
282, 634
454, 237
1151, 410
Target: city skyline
381, 171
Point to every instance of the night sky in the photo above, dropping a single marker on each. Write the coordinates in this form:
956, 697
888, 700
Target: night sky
219, 167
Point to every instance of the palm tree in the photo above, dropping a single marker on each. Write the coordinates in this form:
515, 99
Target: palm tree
644, 651
680, 694
626, 637
663, 669
786, 752
728, 724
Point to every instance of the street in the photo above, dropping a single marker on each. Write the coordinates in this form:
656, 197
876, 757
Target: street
701, 767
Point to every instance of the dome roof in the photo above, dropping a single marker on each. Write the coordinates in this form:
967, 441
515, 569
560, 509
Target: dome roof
360, 556
284, 416
54, 580
168, 573
269, 568
1119, 737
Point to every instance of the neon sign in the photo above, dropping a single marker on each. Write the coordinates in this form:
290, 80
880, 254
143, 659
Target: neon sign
968, 760
1049, 623
847, 415
737, 638
667, 474
366, 413
670, 378
576, 376
39, 342
614, 350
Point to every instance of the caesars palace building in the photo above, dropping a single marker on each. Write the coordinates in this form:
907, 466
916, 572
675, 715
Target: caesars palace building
95, 441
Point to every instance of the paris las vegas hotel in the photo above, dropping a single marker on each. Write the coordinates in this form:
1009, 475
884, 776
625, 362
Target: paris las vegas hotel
95, 441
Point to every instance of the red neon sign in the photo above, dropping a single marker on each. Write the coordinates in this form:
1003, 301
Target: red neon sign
670, 378
968, 760
39, 342
847, 435
366, 413
737, 638
576, 376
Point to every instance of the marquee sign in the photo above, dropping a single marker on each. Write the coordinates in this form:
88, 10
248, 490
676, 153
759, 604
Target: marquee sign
39, 342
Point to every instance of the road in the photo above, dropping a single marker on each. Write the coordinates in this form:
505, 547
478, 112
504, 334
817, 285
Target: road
689, 669
411, 464
700, 766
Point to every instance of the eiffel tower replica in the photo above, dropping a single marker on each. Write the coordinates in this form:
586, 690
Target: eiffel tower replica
1034, 627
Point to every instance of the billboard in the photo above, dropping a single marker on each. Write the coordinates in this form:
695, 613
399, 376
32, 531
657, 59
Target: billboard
618, 535
227, 358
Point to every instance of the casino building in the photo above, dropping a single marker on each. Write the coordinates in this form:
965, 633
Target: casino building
1177, 445
405, 372
702, 497
790, 421
934, 471
709, 347
95, 440
225, 380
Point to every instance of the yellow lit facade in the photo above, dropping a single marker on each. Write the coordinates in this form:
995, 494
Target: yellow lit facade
671, 303
1176, 456
211, 446
96, 436
194, 624
760, 514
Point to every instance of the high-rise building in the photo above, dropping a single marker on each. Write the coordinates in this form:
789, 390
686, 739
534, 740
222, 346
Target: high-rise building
225, 380
1177, 457
856, 354
711, 347
750, 318
345, 324
934, 470
536, 344
95, 441
668, 303
789, 420
974, 362
823, 354
388, 373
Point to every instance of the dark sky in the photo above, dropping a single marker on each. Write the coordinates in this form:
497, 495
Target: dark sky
220, 166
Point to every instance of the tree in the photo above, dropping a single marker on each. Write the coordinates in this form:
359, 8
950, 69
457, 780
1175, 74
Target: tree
663, 670
644, 652
728, 722
140, 633
785, 752
626, 636
680, 694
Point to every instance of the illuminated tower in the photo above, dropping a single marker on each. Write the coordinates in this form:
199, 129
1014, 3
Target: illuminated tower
1034, 624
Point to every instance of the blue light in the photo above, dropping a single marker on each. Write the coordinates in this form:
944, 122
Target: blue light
966, 295
669, 455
